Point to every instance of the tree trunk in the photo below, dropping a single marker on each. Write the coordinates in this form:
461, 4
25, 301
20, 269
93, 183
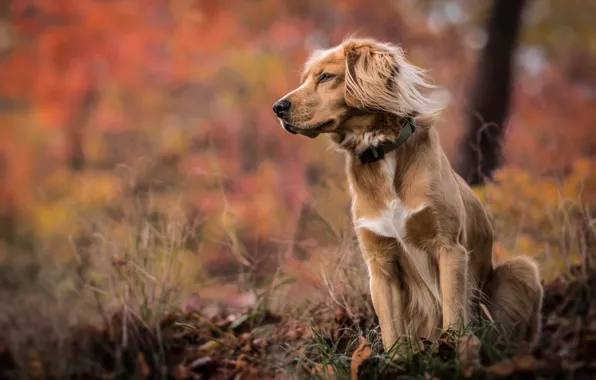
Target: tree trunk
76, 126
491, 94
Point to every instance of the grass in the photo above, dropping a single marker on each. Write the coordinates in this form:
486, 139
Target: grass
257, 343
114, 306
421, 359
132, 264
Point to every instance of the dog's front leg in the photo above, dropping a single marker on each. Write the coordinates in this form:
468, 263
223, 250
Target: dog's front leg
387, 300
453, 268
385, 288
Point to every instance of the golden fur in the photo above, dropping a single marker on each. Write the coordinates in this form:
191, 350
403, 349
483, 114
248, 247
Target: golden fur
425, 237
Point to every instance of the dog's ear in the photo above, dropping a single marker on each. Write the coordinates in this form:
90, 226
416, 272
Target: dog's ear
378, 78
367, 69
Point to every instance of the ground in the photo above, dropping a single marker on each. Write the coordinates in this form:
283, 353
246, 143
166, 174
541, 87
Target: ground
219, 343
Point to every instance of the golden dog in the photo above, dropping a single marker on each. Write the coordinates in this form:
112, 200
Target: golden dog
425, 237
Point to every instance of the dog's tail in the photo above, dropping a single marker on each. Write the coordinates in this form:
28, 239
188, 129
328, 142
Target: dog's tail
515, 299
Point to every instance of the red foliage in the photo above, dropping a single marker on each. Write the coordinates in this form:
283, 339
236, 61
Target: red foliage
113, 74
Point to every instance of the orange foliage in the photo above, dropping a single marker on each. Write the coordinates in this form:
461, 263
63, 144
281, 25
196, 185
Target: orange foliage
175, 96
542, 217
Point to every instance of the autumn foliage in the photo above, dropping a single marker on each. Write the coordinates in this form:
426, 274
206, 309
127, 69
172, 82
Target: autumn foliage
132, 132
142, 170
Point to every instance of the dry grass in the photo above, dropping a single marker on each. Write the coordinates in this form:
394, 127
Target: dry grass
129, 267
137, 264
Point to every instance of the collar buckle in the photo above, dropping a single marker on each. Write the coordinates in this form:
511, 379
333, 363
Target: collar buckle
376, 153
372, 154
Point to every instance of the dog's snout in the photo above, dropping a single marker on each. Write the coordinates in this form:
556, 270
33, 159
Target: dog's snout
281, 108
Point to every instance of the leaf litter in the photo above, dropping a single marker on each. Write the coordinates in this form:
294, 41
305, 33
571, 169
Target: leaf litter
229, 344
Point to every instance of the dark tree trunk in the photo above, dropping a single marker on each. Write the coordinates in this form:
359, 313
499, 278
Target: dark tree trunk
77, 124
491, 94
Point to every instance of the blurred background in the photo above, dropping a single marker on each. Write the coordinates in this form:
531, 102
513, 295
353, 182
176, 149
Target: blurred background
140, 160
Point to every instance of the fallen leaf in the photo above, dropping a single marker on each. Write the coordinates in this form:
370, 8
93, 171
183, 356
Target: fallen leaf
328, 369
199, 363
293, 335
341, 319
144, 369
260, 343
210, 346
360, 356
504, 368
525, 363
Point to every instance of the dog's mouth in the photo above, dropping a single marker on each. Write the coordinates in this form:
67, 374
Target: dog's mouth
308, 132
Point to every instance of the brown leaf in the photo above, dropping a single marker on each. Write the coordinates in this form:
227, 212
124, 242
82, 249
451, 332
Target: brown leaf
340, 315
293, 334
341, 319
305, 332
260, 343
144, 369
504, 368
525, 363
242, 362
297, 331
360, 356
328, 370
468, 352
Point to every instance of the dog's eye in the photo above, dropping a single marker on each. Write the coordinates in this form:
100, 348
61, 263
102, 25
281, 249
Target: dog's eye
324, 77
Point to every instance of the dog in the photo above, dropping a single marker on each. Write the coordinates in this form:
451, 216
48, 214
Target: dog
426, 239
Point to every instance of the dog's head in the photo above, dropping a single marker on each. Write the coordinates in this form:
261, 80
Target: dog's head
345, 87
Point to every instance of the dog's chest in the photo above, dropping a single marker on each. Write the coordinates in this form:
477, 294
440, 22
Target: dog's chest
389, 216
391, 220
390, 223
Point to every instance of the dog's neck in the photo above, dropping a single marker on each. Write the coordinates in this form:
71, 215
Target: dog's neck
383, 129
374, 130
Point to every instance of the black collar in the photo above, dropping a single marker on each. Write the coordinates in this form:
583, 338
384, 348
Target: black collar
376, 153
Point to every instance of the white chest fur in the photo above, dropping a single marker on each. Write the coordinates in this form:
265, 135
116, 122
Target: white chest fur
391, 220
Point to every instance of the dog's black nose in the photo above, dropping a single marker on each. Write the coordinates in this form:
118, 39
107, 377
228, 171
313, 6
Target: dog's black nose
280, 108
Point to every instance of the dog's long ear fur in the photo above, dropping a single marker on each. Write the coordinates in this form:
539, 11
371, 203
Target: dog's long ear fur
378, 77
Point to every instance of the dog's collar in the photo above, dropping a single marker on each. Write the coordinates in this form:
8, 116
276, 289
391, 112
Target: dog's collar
376, 153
